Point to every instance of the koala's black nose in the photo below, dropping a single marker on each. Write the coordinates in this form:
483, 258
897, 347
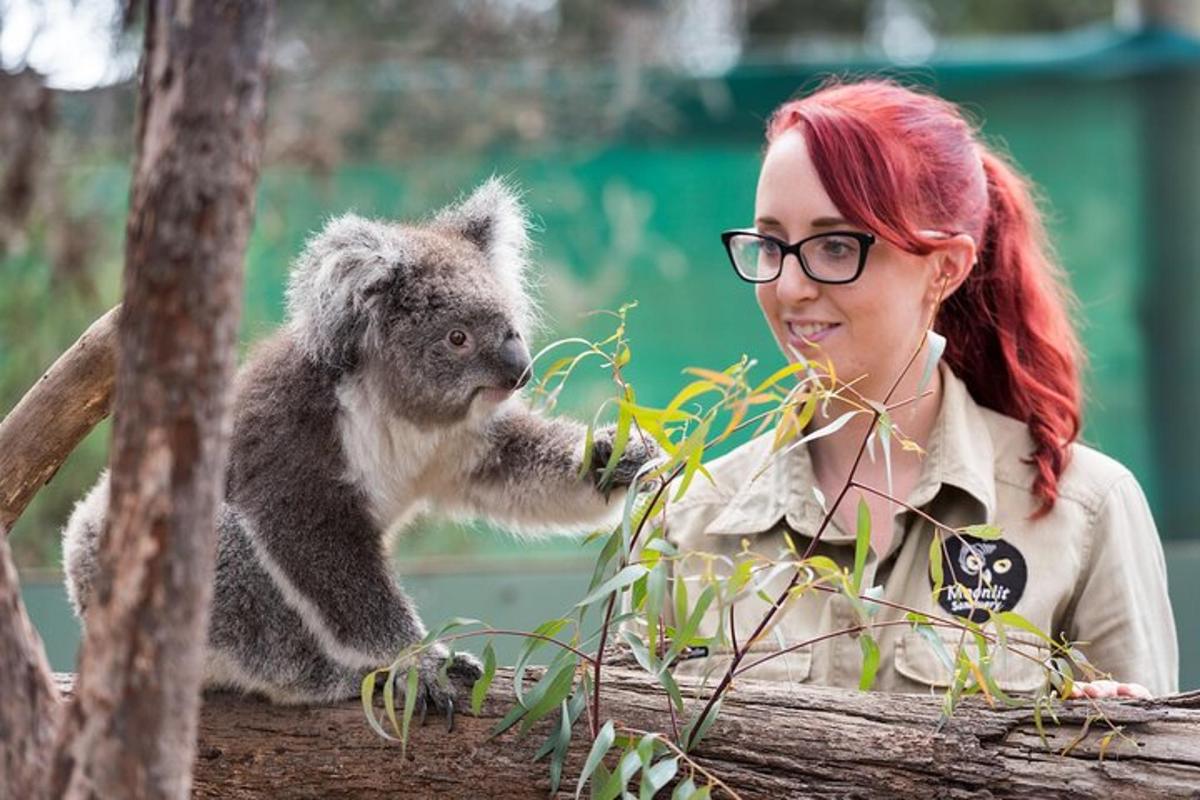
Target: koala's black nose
515, 362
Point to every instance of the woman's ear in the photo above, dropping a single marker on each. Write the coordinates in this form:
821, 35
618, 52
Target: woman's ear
953, 261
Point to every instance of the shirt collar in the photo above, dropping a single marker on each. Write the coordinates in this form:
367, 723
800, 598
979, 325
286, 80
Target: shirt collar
959, 454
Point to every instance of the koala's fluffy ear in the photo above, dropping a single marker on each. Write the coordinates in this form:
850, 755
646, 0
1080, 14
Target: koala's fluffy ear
332, 282
494, 220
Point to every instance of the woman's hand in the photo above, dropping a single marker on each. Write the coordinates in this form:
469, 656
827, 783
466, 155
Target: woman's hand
1103, 690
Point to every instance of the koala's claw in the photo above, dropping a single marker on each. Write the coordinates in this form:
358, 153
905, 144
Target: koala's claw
638, 451
432, 691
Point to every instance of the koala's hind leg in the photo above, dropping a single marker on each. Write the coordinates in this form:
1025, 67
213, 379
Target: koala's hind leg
345, 599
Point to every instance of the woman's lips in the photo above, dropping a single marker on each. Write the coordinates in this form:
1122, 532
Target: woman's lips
814, 332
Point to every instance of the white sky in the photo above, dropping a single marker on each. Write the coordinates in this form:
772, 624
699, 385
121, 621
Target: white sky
71, 42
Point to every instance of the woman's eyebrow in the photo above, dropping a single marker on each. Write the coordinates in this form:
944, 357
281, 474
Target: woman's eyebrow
819, 222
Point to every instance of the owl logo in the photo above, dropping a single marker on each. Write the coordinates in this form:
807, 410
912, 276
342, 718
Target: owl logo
981, 577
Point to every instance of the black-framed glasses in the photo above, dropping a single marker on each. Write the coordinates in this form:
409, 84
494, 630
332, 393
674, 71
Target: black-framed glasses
832, 257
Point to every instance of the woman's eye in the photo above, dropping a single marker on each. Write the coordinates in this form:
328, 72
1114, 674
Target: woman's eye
457, 338
836, 248
768, 247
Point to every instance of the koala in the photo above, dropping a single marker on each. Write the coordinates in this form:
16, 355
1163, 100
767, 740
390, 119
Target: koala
391, 390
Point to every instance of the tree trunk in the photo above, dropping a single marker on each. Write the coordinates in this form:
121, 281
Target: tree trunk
29, 702
770, 741
131, 730
55, 415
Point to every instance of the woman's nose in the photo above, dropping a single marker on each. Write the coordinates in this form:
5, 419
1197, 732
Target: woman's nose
793, 285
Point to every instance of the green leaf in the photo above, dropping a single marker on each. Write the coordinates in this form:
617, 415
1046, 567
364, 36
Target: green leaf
410, 704
937, 346
862, 544
989, 532
449, 625
640, 651
701, 725
645, 749
869, 596
694, 447
684, 634
628, 767
939, 647
1014, 620
480, 689
828, 430
935, 564
657, 776
619, 441
551, 628
870, 662
668, 683
681, 599
656, 595
558, 681
600, 748
560, 748
684, 790
368, 701
589, 447
389, 700
619, 581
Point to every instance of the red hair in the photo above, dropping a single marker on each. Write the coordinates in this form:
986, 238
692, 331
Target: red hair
897, 161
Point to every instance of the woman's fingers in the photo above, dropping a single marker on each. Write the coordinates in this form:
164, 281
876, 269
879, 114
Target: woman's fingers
1106, 689
1134, 690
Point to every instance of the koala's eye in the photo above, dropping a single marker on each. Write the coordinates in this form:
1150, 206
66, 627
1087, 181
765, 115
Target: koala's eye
457, 338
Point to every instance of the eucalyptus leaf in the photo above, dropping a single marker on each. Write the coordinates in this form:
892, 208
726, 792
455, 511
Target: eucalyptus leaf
657, 776
600, 747
619, 581
480, 689
937, 346
862, 544
870, 662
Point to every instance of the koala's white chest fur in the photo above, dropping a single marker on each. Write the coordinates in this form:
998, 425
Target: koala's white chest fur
401, 467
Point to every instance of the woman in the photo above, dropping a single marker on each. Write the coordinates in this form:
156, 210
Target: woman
878, 210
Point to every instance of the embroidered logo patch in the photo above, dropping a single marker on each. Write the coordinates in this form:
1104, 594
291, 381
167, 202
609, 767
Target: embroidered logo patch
992, 575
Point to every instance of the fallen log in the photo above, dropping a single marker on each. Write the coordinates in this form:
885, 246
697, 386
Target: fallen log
771, 741
55, 415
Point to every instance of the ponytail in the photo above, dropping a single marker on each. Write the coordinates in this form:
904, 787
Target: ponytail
1008, 333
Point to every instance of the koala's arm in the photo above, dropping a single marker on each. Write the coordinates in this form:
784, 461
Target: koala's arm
530, 474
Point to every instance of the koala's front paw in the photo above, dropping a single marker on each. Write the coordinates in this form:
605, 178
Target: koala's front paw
638, 451
433, 689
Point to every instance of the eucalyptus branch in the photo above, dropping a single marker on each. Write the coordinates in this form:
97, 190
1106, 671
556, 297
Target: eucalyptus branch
862, 626
692, 763
525, 634
612, 601
774, 608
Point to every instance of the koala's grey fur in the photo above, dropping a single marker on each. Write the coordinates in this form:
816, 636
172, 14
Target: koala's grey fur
359, 414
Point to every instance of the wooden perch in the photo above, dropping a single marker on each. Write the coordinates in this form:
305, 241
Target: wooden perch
771, 741
55, 415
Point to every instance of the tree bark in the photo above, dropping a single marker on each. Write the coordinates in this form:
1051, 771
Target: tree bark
770, 741
55, 415
131, 730
29, 701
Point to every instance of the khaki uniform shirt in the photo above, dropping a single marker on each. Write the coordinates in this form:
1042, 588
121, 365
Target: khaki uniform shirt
1091, 569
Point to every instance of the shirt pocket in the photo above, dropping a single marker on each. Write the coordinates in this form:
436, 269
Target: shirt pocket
1012, 671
